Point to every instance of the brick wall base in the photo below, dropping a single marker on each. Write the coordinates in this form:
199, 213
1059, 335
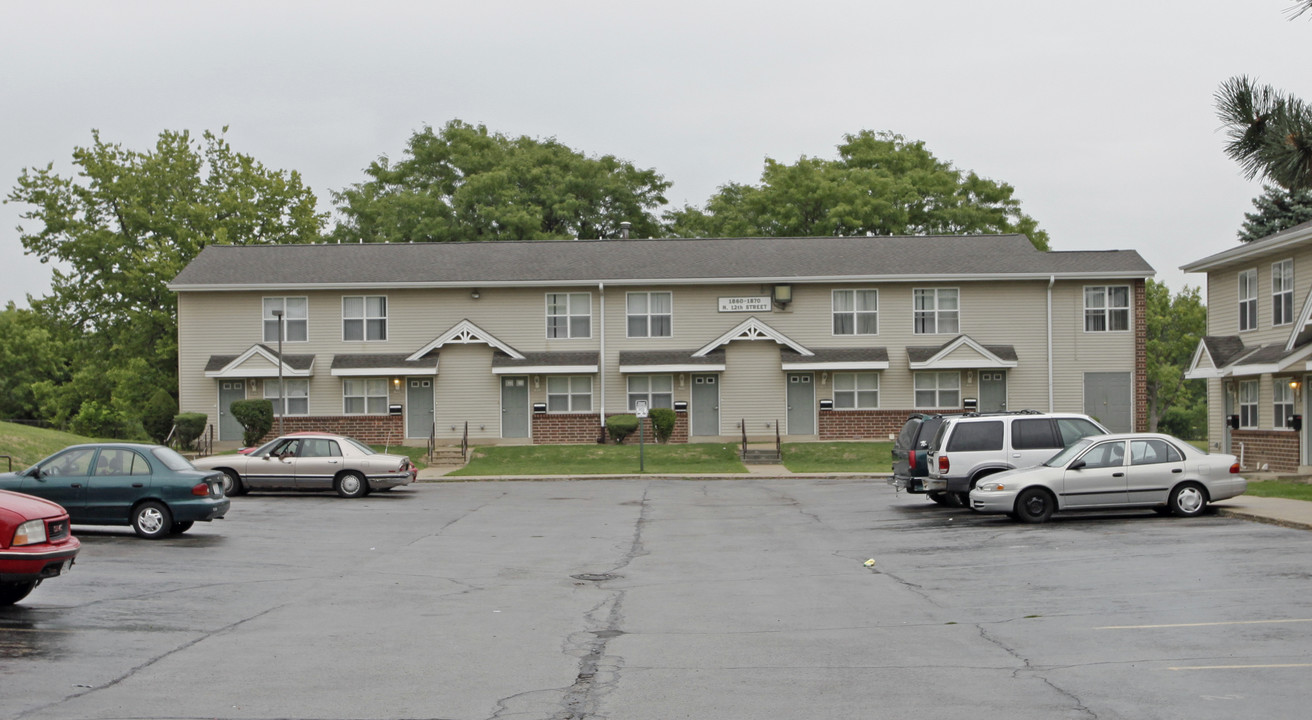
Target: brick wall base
370, 429
1277, 449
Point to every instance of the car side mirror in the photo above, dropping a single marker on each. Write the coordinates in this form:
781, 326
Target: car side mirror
1077, 465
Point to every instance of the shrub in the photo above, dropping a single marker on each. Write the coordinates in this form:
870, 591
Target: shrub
256, 418
662, 423
621, 426
190, 426
157, 415
98, 421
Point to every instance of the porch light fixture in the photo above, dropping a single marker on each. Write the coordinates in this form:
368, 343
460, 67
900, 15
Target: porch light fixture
396, 382
474, 293
783, 294
1294, 385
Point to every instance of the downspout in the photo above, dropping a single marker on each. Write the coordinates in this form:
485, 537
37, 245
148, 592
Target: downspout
1052, 279
601, 356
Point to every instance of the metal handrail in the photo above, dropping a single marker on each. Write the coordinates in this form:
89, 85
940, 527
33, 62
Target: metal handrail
464, 444
742, 423
778, 444
432, 441
11, 462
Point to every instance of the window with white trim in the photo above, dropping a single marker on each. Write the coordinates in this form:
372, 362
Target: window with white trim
1283, 404
657, 390
1248, 404
364, 396
364, 318
940, 389
937, 310
1106, 308
297, 396
1282, 292
856, 312
569, 393
650, 314
569, 315
1248, 300
295, 319
856, 391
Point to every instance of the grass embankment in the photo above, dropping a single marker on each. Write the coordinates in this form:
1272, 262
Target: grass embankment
27, 444
602, 460
856, 457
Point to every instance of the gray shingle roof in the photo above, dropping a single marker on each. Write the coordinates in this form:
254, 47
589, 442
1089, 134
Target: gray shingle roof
588, 261
546, 359
296, 362
670, 357
363, 361
836, 355
922, 353
1223, 348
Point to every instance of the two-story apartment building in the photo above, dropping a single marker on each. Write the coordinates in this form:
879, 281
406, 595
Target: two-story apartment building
520, 342
1257, 354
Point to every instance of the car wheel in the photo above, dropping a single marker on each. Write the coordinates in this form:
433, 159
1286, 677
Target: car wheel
940, 498
1034, 505
1188, 499
232, 483
152, 520
182, 527
351, 485
11, 593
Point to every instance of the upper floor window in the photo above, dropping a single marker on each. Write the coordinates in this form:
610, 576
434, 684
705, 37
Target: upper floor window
569, 393
295, 319
364, 396
657, 390
1248, 300
1284, 402
364, 317
1248, 404
856, 391
650, 314
856, 312
938, 390
1106, 308
1282, 292
296, 397
937, 311
569, 315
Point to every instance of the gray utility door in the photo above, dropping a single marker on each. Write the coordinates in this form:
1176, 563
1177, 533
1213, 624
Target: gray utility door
992, 390
705, 405
419, 407
801, 404
514, 407
229, 391
1107, 399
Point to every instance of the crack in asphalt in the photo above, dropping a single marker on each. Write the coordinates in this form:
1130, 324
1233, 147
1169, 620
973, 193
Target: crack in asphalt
455, 520
1036, 672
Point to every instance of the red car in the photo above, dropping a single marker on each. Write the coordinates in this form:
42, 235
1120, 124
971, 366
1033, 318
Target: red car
35, 544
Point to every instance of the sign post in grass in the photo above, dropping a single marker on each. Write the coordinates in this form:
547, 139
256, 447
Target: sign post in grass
640, 411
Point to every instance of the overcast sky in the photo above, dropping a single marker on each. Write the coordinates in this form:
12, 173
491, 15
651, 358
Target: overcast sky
1099, 114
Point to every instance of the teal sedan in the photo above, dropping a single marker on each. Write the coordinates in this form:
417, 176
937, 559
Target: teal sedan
150, 487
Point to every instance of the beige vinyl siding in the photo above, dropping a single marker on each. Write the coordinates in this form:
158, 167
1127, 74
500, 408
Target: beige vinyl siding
1076, 352
1223, 296
753, 390
466, 390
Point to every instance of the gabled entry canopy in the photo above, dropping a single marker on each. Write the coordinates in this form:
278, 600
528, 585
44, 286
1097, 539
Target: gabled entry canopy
962, 353
465, 333
259, 361
752, 329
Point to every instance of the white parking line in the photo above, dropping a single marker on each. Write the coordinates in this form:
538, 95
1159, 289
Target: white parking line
1202, 624
1239, 667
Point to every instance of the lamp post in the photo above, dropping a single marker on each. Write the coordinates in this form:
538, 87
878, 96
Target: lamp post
282, 398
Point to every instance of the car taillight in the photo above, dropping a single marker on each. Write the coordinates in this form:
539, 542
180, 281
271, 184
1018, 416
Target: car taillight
911, 459
943, 463
200, 489
1234, 469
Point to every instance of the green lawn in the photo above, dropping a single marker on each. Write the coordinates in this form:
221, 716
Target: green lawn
602, 460
1281, 489
873, 457
27, 444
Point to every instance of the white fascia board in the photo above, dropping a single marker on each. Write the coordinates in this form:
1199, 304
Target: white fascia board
755, 329
650, 369
1246, 251
870, 365
1206, 374
466, 333
966, 364
1194, 372
546, 370
375, 372
233, 372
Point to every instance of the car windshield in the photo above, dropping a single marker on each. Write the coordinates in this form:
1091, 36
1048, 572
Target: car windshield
172, 459
1071, 451
360, 446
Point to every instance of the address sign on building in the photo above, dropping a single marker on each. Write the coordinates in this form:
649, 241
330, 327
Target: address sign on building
745, 304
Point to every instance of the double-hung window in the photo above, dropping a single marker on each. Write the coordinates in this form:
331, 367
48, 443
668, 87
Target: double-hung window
937, 310
1106, 308
938, 390
650, 314
364, 396
569, 393
295, 319
856, 312
296, 397
1282, 292
856, 391
1248, 300
657, 390
1248, 404
1284, 402
364, 317
569, 315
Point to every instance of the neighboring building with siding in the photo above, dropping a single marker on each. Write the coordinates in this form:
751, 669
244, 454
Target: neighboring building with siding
813, 338
1257, 354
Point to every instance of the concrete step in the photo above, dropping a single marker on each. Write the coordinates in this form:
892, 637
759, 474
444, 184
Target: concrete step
447, 457
760, 457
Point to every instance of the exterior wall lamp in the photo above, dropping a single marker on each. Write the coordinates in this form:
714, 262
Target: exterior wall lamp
474, 294
783, 294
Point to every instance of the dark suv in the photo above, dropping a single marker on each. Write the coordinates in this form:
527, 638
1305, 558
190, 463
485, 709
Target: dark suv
910, 455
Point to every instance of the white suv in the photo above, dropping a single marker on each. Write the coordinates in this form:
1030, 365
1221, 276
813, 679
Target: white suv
972, 446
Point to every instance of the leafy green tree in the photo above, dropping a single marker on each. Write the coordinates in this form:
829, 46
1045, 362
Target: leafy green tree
29, 354
881, 184
120, 229
1174, 327
157, 416
1276, 209
465, 183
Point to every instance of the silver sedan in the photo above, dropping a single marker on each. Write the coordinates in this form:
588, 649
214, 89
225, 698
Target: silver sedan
1129, 470
311, 461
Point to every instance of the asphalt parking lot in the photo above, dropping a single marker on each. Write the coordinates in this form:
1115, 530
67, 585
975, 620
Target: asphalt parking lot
636, 599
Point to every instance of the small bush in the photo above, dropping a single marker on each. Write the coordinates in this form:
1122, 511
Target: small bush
621, 426
256, 418
98, 421
190, 426
157, 415
662, 423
